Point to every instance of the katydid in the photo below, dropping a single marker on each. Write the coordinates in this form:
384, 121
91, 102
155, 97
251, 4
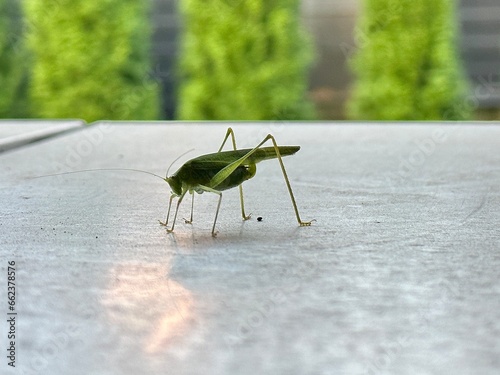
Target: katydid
224, 170
217, 172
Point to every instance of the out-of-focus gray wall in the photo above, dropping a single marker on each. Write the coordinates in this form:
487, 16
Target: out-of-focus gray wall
331, 24
480, 49
166, 29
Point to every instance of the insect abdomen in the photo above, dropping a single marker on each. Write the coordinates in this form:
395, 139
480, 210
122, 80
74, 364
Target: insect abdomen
202, 176
241, 174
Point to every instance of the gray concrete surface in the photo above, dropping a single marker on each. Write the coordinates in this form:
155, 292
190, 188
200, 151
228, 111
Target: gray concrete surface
399, 275
17, 133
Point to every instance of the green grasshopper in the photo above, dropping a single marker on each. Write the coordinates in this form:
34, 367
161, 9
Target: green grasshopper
217, 172
224, 170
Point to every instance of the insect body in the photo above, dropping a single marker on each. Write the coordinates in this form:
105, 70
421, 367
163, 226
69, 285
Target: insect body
224, 170
217, 172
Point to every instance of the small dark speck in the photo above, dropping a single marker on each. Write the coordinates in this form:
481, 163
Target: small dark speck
53, 228
259, 218
378, 222
96, 237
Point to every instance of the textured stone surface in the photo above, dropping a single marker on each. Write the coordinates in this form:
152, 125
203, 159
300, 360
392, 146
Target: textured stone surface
399, 275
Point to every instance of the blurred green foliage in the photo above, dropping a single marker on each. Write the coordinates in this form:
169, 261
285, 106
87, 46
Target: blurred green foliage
13, 70
407, 66
91, 59
243, 60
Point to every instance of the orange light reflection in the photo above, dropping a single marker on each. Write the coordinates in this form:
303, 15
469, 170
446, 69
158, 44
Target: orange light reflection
145, 303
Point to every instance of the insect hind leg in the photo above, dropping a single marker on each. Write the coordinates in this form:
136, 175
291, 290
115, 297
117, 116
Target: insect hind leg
226, 171
285, 176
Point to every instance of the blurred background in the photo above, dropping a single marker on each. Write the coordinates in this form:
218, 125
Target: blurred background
250, 59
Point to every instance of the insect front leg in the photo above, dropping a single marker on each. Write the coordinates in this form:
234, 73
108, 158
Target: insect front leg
168, 212
176, 211
230, 132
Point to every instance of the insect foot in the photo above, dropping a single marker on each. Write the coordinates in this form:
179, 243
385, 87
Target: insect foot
307, 223
169, 230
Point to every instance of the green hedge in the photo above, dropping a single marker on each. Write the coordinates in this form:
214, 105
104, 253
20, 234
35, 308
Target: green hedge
91, 59
243, 60
407, 66
13, 69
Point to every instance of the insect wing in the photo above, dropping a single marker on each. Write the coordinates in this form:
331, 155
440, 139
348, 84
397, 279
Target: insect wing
266, 153
227, 157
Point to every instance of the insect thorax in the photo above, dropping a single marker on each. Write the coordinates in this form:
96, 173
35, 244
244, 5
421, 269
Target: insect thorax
175, 184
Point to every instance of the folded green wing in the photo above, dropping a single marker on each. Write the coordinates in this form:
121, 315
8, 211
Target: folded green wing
228, 157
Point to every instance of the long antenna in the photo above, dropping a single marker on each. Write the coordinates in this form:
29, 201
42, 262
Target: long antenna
114, 169
170, 166
99, 169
